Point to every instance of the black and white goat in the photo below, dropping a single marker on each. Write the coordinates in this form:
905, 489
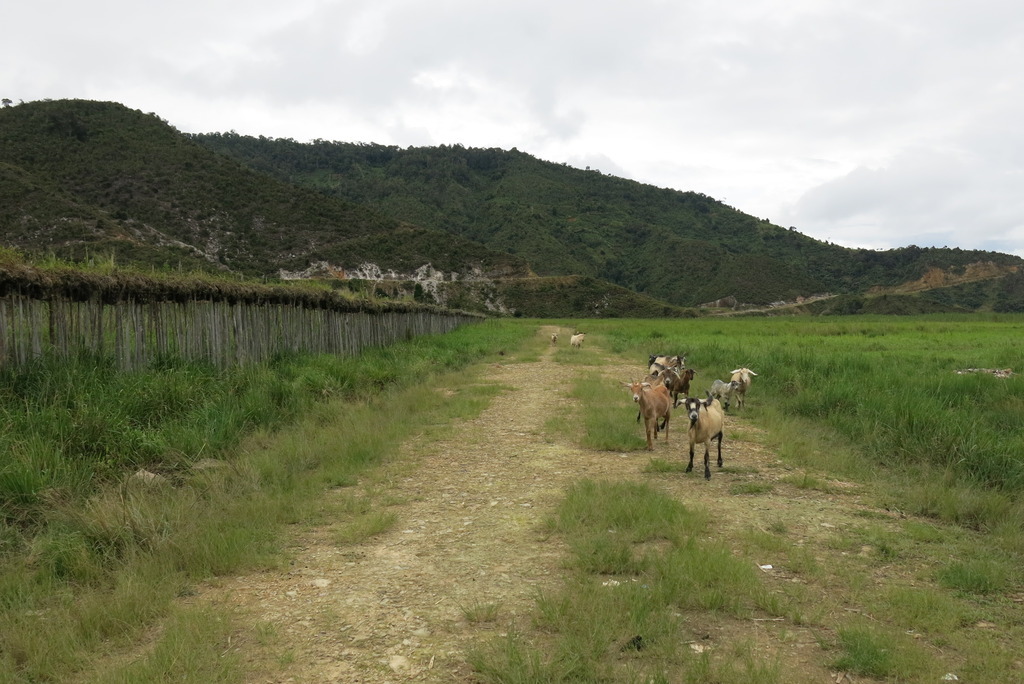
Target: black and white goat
707, 423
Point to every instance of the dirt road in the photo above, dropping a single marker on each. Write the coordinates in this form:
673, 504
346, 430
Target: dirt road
399, 606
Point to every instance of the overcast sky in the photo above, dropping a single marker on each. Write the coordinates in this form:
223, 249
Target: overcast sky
867, 123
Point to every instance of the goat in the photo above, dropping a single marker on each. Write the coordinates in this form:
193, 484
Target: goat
655, 404
678, 382
554, 338
655, 369
576, 341
678, 361
743, 377
724, 391
707, 422
656, 378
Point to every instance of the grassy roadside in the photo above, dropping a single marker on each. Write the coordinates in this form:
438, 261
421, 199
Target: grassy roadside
93, 559
913, 575
893, 591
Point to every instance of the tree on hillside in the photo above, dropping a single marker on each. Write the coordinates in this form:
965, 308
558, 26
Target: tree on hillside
1011, 295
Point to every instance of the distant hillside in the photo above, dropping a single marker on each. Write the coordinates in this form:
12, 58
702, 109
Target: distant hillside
81, 178
535, 297
680, 247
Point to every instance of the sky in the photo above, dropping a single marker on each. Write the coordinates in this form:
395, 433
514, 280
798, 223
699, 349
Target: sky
864, 123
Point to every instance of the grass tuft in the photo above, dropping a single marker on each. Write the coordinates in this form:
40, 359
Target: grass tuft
975, 576
481, 612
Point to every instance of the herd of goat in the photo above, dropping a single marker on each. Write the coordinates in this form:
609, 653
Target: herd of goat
658, 393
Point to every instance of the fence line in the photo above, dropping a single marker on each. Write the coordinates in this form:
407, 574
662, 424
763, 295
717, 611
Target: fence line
223, 332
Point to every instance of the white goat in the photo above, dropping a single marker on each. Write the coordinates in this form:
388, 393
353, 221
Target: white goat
576, 341
724, 391
744, 377
655, 404
554, 338
707, 422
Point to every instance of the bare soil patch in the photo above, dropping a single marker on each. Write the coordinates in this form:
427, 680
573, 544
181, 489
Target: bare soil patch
470, 509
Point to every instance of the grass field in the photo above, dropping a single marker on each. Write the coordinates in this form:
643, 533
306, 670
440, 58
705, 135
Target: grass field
907, 409
889, 387
89, 561
90, 557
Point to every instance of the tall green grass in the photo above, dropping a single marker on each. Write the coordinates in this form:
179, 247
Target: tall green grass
637, 565
882, 654
89, 557
894, 598
886, 386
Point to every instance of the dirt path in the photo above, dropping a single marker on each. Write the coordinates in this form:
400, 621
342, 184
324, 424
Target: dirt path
394, 609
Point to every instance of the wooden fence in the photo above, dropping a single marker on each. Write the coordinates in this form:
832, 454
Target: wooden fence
224, 328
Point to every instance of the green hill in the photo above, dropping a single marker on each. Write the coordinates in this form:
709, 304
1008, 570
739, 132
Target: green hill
80, 178
96, 176
682, 247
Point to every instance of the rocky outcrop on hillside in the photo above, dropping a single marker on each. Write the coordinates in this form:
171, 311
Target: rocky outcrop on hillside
935, 278
469, 290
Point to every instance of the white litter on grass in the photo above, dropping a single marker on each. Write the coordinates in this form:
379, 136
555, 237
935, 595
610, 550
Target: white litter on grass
615, 583
766, 568
997, 372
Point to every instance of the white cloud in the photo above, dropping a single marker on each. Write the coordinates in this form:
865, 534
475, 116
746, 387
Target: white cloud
923, 197
864, 122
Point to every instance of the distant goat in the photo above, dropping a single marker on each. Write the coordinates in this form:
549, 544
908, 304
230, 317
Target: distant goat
554, 338
743, 377
655, 404
576, 341
707, 422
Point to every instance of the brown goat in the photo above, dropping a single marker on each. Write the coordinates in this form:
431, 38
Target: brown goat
656, 379
678, 382
655, 404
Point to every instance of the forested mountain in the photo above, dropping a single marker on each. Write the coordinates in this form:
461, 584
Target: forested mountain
681, 247
82, 177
